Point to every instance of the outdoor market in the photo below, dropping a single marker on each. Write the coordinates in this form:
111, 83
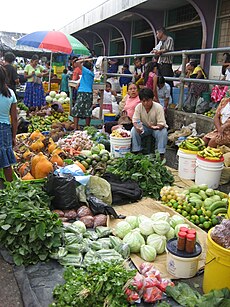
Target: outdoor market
91, 211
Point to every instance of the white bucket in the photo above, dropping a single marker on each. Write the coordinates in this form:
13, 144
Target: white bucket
208, 172
181, 264
187, 164
119, 146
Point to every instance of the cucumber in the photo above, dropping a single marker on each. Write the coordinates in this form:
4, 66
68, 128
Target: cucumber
215, 198
195, 200
194, 189
203, 187
195, 195
209, 192
208, 202
202, 194
218, 204
221, 194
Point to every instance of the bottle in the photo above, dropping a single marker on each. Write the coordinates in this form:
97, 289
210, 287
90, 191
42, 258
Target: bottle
183, 229
140, 126
181, 240
191, 231
190, 243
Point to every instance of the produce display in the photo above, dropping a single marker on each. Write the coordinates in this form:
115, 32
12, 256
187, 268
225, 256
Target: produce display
148, 170
221, 234
210, 153
211, 113
192, 143
59, 97
22, 106
28, 229
120, 133
199, 204
76, 142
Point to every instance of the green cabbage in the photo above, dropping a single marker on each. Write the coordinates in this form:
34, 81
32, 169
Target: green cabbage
175, 220
170, 234
122, 228
158, 242
80, 226
63, 95
148, 253
161, 227
177, 228
142, 218
135, 240
146, 228
161, 216
132, 220
52, 94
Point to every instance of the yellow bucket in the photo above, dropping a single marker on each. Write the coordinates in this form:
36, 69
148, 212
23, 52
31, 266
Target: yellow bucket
217, 267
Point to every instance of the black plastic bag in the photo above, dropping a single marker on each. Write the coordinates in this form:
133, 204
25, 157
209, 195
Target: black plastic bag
63, 190
99, 207
190, 103
123, 192
202, 106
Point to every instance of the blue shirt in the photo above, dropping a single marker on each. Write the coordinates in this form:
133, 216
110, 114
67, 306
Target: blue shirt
86, 83
5, 105
64, 83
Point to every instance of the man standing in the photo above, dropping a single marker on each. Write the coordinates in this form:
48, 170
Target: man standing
165, 44
12, 75
149, 119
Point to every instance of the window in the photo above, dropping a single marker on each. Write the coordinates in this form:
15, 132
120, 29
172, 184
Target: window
183, 14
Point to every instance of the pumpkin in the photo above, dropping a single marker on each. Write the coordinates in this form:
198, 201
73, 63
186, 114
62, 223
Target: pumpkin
37, 145
80, 165
43, 168
23, 168
57, 151
28, 176
27, 155
35, 160
57, 159
51, 146
37, 135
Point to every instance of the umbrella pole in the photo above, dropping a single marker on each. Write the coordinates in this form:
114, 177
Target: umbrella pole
51, 59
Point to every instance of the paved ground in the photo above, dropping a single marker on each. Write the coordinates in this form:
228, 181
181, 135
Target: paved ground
9, 292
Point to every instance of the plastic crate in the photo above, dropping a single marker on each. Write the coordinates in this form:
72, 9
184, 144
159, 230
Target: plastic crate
66, 107
53, 87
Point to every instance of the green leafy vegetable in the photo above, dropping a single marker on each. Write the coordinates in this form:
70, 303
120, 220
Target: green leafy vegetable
148, 170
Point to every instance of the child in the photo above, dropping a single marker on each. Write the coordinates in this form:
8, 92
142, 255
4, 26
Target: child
64, 82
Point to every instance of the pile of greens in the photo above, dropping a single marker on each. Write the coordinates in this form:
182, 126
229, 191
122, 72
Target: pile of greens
148, 170
187, 297
28, 229
98, 285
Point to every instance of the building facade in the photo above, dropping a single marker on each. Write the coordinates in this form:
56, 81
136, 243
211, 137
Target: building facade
119, 27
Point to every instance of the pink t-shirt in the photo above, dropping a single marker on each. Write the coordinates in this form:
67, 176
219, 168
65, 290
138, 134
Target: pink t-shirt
149, 83
130, 105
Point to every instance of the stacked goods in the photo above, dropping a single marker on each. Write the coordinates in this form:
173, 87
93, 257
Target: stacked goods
120, 133
61, 98
199, 204
192, 143
211, 113
210, 153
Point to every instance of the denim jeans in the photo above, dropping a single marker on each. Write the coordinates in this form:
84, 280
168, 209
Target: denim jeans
160, 137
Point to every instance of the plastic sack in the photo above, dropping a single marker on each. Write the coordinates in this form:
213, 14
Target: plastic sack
190, 103
99, 207
100, 188
202, 106
63, 190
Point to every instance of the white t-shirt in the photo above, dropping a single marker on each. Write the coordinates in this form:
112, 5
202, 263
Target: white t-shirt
227, 74
163, 93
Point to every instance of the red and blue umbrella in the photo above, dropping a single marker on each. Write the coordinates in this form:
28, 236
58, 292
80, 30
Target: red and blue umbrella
54, 41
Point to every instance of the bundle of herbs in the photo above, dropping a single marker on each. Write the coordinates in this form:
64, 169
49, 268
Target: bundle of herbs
148, 170
97, 285
28, 229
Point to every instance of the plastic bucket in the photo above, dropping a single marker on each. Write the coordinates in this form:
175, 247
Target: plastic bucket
208, 172
217, 267
176, 94
179, 263
109, 117
187, 164
119, 146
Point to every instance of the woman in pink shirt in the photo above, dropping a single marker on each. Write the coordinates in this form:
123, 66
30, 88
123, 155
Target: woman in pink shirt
150, 78
131, 100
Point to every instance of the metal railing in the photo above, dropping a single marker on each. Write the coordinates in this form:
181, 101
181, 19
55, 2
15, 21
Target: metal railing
182, 79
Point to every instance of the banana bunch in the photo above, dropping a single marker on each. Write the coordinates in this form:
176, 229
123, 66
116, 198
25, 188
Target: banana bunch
116, 134
193, 143
210, 153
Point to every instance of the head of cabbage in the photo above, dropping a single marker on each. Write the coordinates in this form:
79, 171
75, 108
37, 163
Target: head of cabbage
148, 253
135, 240
158, 242
122, 228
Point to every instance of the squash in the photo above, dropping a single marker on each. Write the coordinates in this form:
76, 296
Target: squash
28, 176
37, 135
37, 145
27, 155
35, 160
23, 168
57, 151
43, 168
57, 159
51, 145
80, 165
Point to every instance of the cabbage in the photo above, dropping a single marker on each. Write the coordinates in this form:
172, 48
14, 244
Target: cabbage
122, 228
177, 228
132, 220
52, 94
157, 241
80, 226
142, 218
161, 227
170, 234
67, 100
61, 100
135, 240
49, 99
148, 253
161, 216
101, 146
63, 95
146, 228
175, 220
58, 96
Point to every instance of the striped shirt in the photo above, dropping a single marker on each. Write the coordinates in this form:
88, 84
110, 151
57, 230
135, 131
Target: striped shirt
167, 45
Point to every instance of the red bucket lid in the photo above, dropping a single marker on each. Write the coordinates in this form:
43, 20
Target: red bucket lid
214, 161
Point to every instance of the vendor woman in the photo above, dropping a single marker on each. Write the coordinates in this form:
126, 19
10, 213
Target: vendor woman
150, 115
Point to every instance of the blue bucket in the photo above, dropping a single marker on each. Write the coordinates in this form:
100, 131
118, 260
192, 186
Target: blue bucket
109, 117
176, 94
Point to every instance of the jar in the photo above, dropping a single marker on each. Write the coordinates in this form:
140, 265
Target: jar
181, 240
190, 243
183, 229
191, 231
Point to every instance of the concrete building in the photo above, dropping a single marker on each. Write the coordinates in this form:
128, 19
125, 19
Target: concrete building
119, 27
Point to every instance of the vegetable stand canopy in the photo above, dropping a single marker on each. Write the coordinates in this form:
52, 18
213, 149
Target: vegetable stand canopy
148, 206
